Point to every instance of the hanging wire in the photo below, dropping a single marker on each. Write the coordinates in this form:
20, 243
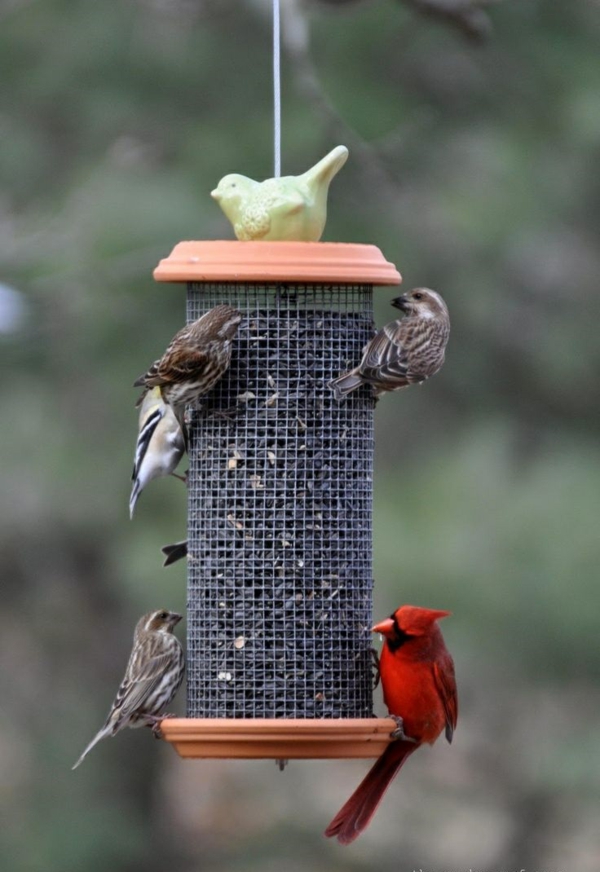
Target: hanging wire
277, 87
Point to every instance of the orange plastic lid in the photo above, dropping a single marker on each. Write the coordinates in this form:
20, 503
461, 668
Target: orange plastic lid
306, 262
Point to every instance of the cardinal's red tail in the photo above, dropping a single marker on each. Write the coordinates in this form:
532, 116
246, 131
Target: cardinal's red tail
355, 815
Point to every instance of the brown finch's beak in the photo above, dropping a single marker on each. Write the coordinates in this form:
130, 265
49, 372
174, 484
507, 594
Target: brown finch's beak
400, 303
384, 627
175, 618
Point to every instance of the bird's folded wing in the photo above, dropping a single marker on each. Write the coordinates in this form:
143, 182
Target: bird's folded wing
136, 689
443, 675
142, 381
290, 200
385, 357
144, 437
180, 367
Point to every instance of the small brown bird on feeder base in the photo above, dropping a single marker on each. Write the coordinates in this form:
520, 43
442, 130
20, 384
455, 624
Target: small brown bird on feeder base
152, 678
403, 352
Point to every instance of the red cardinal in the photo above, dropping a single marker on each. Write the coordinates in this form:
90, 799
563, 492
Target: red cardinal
417, 676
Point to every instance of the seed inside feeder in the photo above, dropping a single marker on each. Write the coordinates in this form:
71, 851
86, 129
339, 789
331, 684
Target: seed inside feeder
280, 494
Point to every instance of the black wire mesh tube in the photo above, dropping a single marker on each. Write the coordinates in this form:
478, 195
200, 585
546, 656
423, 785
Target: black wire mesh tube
280, 511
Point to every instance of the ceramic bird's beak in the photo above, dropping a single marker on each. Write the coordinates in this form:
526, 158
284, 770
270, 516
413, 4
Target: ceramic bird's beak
384, 627
400, 302
215, 195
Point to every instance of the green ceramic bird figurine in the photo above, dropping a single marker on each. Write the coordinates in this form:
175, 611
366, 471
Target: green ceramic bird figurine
288, 208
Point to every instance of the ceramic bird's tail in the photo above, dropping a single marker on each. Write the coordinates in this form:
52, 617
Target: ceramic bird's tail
322, 173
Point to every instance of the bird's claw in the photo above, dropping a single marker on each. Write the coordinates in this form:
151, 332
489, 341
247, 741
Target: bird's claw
225, 414
282, 763
398, 733
156, 723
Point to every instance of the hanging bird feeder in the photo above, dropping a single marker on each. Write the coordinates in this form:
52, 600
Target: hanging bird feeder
280, 507
280, 483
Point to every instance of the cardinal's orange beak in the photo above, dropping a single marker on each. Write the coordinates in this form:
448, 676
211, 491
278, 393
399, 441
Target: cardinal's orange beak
384, 627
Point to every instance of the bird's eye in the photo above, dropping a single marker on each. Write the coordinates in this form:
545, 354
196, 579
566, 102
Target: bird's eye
163, 616
417, 296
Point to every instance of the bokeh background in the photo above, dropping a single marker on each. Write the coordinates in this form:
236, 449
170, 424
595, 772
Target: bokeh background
474, 133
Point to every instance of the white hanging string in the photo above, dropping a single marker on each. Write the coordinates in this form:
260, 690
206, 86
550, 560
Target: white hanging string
277, 87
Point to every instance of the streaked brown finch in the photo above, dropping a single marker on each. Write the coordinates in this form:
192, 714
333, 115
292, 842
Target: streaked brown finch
196, 358
403, 352
152, 678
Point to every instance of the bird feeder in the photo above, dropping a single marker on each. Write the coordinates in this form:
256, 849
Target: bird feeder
280, 507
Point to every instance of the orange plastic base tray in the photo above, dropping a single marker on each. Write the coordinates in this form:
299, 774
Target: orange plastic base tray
277, 737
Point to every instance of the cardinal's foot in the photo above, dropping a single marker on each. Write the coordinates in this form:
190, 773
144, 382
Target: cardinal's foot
399, 731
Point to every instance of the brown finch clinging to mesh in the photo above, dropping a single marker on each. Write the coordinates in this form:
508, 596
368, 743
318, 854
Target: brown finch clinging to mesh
152, 678
197, 357
403, 352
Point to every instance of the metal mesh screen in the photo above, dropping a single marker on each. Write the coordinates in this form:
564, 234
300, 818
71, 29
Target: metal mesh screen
280, 511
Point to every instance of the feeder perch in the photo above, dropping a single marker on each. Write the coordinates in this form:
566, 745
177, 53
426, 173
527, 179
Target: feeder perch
280, 507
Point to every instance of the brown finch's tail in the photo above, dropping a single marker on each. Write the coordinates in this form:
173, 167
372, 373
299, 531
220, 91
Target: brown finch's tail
345, 384
174, 552
107, 730
355, 815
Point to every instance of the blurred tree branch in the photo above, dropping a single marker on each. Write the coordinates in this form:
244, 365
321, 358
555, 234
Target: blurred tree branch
467, 16
296, 36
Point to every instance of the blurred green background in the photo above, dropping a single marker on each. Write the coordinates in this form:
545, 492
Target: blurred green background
474, 166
